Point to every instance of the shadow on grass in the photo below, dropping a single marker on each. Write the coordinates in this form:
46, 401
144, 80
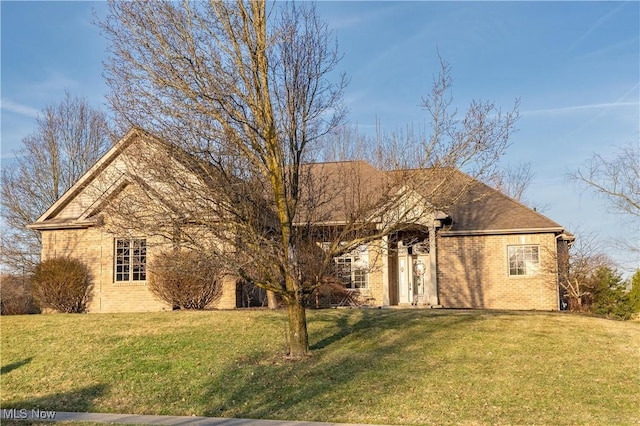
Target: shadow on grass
387, 319
80, 399
14, 365
352, 360
344, 330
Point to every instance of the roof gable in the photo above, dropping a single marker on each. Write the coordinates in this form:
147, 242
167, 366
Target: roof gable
76, 206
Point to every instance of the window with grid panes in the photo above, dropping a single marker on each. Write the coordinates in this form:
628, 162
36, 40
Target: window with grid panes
523, 260
352, 276
130, 260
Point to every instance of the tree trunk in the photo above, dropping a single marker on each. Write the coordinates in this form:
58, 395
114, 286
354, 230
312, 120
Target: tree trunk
272, 300
297, 329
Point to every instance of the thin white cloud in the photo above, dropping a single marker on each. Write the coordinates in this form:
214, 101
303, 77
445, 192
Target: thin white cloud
55, 82
355, 96
627, 46
10, 106
349, 21
633, 91
596, 25
578, 108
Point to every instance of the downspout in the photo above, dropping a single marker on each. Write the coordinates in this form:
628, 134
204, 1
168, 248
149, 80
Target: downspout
557, 271
433, 256
564, 237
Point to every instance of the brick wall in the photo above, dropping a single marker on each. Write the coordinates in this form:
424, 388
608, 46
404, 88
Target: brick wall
376, 290
228, 298
473, 272
96, 249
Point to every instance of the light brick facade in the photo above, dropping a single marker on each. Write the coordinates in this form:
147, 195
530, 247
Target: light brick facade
457, 259
95, 248
473, 272
376, 291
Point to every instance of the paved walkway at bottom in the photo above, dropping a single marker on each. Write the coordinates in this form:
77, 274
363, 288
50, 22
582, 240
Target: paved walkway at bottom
62, 416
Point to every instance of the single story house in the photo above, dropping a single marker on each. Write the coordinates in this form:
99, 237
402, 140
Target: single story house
484, 251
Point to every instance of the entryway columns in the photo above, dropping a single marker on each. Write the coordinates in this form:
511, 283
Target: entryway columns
385, 271
433, 270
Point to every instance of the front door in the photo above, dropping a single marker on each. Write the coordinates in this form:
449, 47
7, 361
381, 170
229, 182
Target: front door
413, 278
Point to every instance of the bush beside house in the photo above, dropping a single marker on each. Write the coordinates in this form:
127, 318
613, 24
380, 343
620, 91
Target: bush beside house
186, 279
62, 284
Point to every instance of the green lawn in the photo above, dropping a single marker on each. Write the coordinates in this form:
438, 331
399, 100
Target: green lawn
368, 366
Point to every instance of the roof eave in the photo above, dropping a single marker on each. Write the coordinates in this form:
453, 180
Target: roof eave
50, 226
555, 230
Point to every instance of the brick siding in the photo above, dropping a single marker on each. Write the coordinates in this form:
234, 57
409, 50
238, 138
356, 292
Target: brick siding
95, 249
375, 274
473, 272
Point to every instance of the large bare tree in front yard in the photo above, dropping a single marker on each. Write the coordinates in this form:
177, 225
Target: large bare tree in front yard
68, 139
239, 96
244, 90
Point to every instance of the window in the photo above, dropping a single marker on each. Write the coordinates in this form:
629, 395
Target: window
523, 260
131, 260
353, 269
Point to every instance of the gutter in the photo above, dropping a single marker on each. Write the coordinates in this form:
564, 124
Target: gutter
502, 232
62, 225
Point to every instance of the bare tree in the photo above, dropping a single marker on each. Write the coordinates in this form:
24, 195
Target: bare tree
514, 180
244, 91
616, 180
69, 137
344, 143
236, 99
578, 264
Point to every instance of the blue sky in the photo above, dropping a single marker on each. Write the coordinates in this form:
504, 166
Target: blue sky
574, 65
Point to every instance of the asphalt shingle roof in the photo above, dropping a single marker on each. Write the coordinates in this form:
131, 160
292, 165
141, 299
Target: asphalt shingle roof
472, 205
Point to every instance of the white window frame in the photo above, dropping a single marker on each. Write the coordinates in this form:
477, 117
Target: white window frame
356, 277
523, 260
129, 260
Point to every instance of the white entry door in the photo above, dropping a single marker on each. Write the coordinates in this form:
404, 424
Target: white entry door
413, 278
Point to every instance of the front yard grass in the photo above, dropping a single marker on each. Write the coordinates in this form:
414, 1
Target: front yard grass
368, 366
